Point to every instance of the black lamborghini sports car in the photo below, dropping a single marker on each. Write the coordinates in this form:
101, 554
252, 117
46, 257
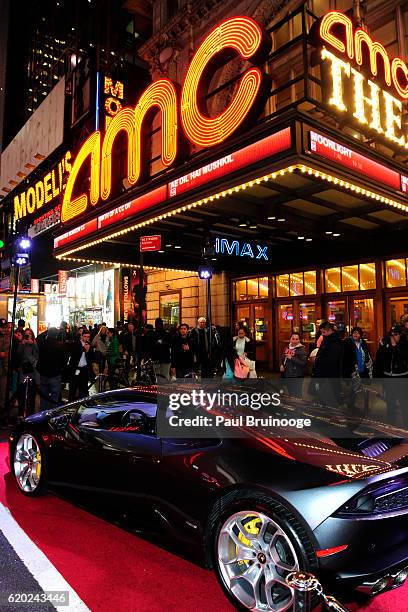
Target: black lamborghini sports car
256, 508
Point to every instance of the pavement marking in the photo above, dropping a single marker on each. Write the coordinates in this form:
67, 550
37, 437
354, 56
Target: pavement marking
47, 576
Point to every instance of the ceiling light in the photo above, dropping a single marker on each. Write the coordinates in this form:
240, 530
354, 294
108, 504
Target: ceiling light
177, 246
281, 219
160, 251
271, 218
169, 245
253, 226
329, 233
309, 239
301, 237
242, 225
336, 235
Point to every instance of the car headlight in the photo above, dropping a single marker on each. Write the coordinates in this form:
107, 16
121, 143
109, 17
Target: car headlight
381, 498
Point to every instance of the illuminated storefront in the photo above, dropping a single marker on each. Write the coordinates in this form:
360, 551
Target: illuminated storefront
88, 298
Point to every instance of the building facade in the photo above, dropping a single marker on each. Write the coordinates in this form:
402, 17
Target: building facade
273, 131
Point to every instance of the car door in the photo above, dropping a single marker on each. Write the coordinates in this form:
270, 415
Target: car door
111, 445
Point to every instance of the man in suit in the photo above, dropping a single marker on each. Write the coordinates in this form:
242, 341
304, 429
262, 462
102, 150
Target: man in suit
80, 364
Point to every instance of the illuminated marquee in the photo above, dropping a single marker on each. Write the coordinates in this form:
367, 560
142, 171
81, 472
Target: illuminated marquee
241, 34
44, 191
351, 91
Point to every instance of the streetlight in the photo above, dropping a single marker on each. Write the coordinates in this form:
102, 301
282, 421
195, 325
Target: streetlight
20, 257
205, 272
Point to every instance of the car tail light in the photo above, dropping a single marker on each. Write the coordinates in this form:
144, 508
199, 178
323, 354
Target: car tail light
382, 498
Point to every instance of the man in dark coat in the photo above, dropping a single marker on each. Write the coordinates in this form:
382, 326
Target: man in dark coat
51, 362
329, 364
161, 349
80, 365
182, 360
391, 364
205, 358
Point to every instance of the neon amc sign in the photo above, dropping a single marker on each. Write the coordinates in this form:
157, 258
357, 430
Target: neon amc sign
350, 90
240, 34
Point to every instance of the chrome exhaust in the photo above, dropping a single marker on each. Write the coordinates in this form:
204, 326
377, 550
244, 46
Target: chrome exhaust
398, 579
373, 587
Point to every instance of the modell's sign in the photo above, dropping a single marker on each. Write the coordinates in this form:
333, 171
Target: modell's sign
240, 34
44, 191
360, 79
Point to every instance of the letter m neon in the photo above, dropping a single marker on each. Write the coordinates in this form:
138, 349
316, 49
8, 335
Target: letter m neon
231, 249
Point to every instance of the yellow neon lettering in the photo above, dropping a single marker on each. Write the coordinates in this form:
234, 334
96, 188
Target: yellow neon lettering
30, 200
337, 69
361, 101
92, 148
393, 120
39, 193
47, 188
55, 188
20, 208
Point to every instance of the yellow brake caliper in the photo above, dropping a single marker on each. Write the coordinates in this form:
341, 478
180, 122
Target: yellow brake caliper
38, 466
253, 527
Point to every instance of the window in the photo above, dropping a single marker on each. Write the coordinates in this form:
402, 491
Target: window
396, 273
359, 277
116, 414
170, 308
297, 283
251, 289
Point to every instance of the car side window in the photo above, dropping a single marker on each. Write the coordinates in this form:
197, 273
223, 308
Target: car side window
117, 414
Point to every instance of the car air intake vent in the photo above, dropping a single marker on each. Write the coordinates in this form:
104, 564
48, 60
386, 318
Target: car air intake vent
392, 501
373, 448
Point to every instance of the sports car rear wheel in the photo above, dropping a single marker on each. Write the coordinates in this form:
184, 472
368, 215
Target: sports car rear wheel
256, 546
28, 465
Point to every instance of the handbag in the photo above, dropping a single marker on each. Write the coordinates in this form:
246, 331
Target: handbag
251, 365
356, 384
241, 370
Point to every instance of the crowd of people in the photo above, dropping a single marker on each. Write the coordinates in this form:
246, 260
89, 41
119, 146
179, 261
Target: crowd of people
334, 360
70, 359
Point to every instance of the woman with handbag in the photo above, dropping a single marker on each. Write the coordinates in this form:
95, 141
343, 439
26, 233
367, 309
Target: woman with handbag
245, 349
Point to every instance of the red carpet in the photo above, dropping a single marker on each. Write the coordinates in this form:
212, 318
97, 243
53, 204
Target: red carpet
111, 569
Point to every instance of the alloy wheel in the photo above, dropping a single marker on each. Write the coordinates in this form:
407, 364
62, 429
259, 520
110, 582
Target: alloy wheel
255, 555
27, 463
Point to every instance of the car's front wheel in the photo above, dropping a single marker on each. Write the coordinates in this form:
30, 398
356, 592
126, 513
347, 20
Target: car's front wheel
28, 465
255, 547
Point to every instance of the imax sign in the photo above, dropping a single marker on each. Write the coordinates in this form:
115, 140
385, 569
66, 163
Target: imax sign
239, 248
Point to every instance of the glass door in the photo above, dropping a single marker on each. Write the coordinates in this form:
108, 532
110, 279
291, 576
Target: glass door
362, 315
257, 317
307, 323
396, 307
337, 314
353, 311
285, 324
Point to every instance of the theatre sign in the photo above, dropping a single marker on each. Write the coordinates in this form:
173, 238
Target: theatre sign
360, 79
